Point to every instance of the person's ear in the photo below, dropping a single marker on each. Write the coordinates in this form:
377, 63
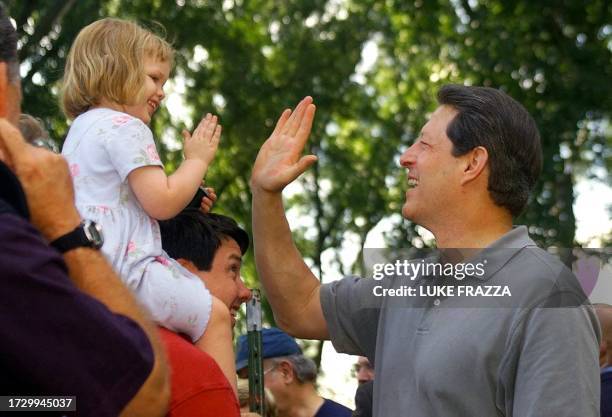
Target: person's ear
475, 162
188, 265
286, 371
3, 89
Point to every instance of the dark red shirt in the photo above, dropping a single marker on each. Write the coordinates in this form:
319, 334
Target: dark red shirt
199, 387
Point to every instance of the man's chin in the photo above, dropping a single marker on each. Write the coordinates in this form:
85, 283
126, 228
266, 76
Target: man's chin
408, 211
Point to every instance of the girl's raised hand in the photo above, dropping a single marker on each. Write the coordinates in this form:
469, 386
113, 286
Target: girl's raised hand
204, 141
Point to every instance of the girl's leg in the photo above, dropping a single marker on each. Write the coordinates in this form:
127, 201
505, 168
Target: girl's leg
217, 341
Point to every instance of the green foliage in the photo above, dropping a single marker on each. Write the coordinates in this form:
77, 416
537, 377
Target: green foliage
247, 60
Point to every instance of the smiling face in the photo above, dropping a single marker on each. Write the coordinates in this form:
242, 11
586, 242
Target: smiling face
434, 174
223, 280
156, 75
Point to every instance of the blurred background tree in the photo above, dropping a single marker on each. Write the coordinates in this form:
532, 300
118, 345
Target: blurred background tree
373, 68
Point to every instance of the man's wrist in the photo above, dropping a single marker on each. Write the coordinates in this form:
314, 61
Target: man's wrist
87, 234
59, 229
257, 189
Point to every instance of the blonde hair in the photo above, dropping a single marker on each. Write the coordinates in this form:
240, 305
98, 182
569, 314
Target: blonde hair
106, 61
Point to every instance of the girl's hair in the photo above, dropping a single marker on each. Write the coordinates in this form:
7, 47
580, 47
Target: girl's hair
106, 61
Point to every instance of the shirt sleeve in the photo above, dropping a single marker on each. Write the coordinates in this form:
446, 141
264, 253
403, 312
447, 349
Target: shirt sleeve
130, 145
557, 373
57, 340
352, 314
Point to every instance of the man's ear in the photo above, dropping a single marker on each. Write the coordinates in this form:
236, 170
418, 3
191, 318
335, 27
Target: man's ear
476, 161
3, 89
188, 265
286, 371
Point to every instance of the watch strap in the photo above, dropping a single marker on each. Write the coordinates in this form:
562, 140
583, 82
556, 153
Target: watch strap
74, 239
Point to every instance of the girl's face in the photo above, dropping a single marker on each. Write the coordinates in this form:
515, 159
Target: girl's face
156, 75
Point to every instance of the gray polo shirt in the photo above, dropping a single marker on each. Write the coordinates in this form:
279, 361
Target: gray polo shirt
532, 354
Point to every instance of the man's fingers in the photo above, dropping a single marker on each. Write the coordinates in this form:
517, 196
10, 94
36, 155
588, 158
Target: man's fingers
296, 118
11, 142
186, 134
305, 125
295, 114
302, 165
281, 121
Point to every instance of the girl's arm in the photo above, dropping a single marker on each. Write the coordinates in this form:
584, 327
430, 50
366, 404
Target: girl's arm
163, 197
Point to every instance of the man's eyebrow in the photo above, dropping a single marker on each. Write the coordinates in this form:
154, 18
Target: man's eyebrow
236, 257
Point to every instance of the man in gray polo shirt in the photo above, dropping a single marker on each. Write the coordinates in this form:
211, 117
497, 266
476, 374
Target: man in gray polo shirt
532, 351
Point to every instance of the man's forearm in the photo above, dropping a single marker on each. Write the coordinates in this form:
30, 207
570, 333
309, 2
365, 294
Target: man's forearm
290, 286
92, 274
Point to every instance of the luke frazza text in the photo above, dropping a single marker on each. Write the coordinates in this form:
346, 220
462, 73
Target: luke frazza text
413, 269
444, 291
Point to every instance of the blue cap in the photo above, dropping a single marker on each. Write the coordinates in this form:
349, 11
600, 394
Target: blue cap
275, 343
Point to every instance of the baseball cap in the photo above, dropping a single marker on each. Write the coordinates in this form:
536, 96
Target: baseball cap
275, 343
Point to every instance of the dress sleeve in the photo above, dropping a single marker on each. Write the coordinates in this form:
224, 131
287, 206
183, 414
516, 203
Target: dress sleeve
352, 314
130, 145
56, 339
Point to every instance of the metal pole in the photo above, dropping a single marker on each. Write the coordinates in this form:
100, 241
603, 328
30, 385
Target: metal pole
256, 383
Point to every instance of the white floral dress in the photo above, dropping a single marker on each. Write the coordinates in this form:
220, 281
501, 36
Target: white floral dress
103, 146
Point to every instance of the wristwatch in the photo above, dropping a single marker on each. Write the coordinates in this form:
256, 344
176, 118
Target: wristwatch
88, 234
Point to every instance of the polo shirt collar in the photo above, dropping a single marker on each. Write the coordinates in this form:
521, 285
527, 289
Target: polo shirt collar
500, 252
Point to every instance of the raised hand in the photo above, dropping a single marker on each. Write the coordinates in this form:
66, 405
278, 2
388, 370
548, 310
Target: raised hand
204, 141
279, 160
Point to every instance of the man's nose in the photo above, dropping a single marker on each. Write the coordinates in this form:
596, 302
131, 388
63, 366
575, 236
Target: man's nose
244, 293
408, 157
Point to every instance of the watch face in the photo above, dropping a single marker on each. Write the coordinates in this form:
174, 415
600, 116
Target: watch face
93, 231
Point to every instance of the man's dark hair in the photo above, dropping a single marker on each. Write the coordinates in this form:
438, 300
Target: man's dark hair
8, 45
195, 236
490, 118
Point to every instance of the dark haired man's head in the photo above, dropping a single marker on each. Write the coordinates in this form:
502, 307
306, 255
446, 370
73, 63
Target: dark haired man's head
210, 246
196, 236
490, 118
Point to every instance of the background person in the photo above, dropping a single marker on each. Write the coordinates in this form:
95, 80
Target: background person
364, 371
290, 377
604, 314
51, 323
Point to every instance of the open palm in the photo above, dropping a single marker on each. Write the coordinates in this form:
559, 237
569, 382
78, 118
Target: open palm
279, 160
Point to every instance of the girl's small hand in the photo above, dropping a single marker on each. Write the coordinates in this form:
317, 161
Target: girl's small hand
207, 202
204, 141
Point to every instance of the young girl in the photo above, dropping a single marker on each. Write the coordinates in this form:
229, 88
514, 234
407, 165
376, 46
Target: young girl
113, 83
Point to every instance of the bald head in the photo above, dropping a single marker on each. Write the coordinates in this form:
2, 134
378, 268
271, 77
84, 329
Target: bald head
604, 314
